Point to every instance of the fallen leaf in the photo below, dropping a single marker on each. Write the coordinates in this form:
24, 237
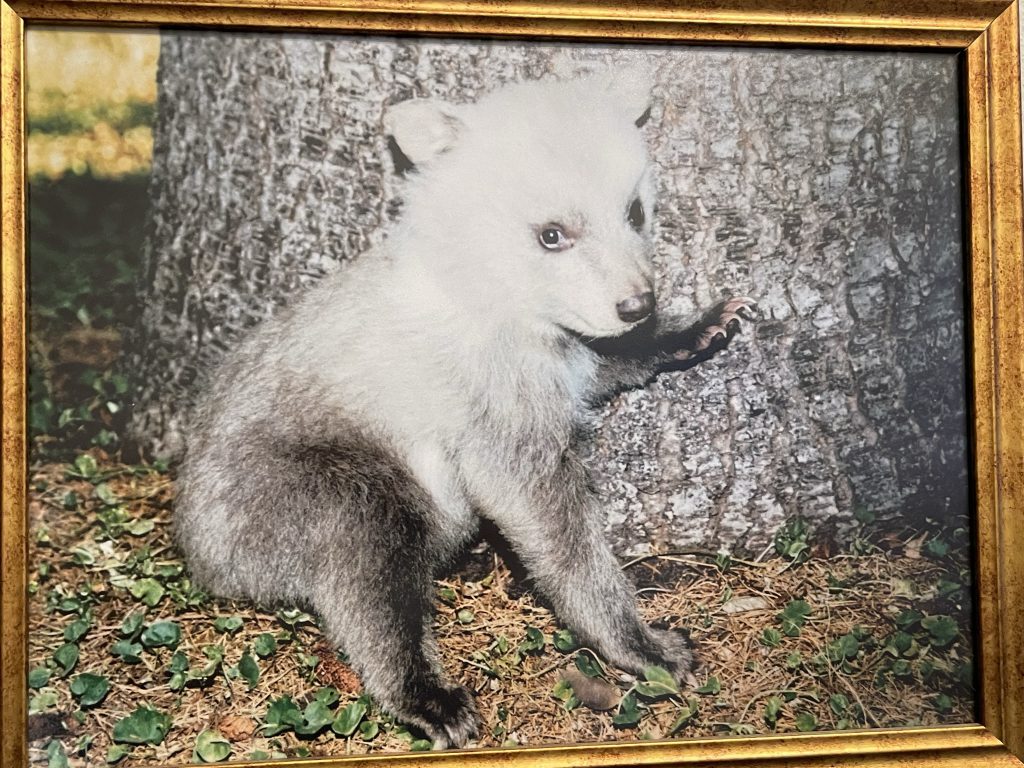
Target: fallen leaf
236, 727
745, 604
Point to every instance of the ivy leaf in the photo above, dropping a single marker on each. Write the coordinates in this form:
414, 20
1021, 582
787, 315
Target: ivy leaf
942, 630
838, 703
129, 652
227, 624
132, 624
139, 526
264, 645
629, 713
161, 634
368, 730
148, 591
771, 637
794, 616
89, 689
712, 686
56, 756
211, 747
349, 717
585, 663
315, 717
564, 641
534, 641
66, 657
282, 714
249, 670
143, 726
74, 631
805, 721
38, 677
116, 752
686, 714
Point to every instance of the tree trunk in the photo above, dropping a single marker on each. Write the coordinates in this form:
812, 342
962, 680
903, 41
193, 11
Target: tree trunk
825, 185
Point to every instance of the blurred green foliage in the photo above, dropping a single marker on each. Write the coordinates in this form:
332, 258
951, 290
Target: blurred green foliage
51, 115
85, 236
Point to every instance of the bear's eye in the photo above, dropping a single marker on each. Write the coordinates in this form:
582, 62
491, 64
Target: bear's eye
636, 214
554, 238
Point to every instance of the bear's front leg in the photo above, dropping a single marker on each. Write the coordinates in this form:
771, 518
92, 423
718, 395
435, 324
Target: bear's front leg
663, 344
558, 533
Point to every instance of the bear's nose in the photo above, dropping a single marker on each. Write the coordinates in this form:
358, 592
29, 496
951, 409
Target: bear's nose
636, 308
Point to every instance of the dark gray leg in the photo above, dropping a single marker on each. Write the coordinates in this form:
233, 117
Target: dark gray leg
375, 589
633, 360
561, 542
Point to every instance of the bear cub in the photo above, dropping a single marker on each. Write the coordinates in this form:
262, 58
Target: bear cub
346, 449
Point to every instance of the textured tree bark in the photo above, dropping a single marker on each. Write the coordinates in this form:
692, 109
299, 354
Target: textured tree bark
825, 185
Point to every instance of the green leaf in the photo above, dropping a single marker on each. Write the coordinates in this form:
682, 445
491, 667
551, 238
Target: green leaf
629, 713
66, 657
161, 634
838, 703
845, 647
249, 670
116, 752
586, 664
712, 686
46, 699
103, 492
348, 718
264, 645
211, 747
805, 721
282, 715
564, 641
908, 618
38, 677
534, 641
421, 745
937, 548
74, 631
315, 717
227, 624
465, 616
147, 591
942, 630
293, 616
56, 756
143, 726
771, 637
139, 526
794, 616
660, 676
85, 467
130, 653
943, 703
89, 689
368, 729
686, 714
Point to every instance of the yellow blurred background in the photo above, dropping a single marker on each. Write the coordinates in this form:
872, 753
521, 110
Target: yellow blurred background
91, 96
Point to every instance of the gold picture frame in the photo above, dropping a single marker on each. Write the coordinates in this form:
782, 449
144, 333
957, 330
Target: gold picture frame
984, 32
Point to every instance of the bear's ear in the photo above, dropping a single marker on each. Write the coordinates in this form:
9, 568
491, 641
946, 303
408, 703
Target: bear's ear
422, 129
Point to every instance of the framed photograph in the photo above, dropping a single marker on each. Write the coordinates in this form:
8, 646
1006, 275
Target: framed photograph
523, 383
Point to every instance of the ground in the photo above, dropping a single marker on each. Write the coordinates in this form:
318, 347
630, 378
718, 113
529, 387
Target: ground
130, 663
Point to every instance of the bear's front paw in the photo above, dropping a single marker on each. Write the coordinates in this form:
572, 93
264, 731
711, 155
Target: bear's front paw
717, 327
447, 715
676, 655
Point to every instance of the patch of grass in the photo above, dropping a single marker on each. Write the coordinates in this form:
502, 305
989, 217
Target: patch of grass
143, 667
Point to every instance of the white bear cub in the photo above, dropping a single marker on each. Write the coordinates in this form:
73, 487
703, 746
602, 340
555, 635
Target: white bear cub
346, 449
